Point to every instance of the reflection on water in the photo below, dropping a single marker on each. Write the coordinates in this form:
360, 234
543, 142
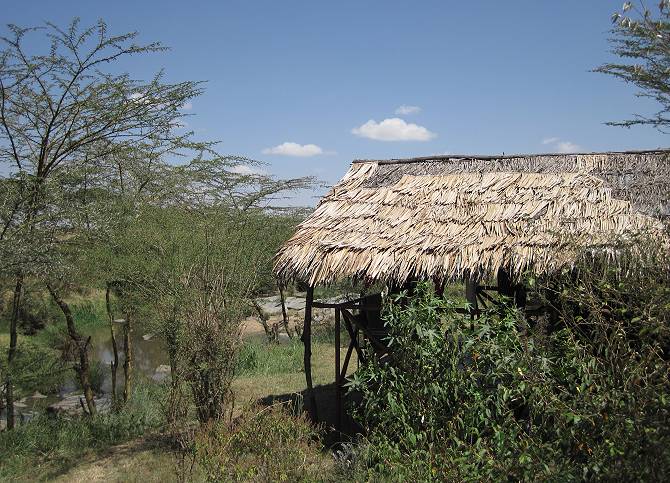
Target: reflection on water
148, 353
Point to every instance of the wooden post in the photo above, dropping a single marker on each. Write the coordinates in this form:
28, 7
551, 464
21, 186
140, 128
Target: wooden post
520, 296
307, 342
505, 286
439, 284
338, 376
471, 295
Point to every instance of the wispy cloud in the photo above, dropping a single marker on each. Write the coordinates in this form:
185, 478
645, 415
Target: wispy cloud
567, 147
187, 106
245, 170
393, 129
406, 110
294, 149
561, 146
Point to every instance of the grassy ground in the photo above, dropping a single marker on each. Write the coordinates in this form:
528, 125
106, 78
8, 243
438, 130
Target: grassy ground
128, 453
140, 460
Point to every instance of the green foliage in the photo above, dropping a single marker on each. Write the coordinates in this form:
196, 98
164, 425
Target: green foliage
497, 399
34, 314
35, 368
61, 442
263, 444
89, 313
641, 39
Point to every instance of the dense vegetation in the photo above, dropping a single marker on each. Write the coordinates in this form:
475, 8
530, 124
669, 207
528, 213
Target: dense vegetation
580, 395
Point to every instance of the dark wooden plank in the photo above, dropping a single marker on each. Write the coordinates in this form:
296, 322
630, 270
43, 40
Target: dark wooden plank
338, 380
347, 357
307, 342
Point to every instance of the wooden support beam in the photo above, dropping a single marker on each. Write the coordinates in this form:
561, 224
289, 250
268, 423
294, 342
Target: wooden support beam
347, 357
307, 342
349, 317
505, 285
520, 296
439, 284
471, 295
481, 299
485, 296
338, 380
354, 304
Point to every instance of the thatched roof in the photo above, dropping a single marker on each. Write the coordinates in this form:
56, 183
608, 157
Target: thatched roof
448, 217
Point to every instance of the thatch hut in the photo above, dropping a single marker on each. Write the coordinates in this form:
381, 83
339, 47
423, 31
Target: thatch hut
472, 218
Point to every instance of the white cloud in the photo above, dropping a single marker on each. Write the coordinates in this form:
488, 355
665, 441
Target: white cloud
561, 146
294, 149
245, 170
405, 110
393, 129
187, 106
567, 147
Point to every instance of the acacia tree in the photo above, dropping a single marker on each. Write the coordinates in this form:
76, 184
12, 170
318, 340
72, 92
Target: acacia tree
64, 111
641, 39
196, 259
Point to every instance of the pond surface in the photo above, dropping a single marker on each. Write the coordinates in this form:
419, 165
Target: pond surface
148, 354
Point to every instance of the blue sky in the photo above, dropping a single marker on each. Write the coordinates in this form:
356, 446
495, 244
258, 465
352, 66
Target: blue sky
481, 77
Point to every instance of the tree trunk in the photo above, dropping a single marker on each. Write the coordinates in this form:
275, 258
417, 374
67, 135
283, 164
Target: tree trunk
82, 369
263, 318
115, 350
11, 353
284, 314
307, 341
128, 359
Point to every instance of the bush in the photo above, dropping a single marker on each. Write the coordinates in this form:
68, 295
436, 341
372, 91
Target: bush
263, 444
498, 399
35, 368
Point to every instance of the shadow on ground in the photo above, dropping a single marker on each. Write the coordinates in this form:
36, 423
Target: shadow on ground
97, 462
326, 411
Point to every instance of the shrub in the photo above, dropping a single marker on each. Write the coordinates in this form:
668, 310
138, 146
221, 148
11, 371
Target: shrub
36, 368
497, 399
263, 444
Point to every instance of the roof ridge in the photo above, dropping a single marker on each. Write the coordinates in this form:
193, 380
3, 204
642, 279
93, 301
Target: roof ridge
457, 157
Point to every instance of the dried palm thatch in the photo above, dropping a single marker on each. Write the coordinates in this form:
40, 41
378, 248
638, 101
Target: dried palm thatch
452, 217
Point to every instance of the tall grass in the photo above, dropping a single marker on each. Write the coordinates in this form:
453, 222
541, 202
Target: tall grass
258, 358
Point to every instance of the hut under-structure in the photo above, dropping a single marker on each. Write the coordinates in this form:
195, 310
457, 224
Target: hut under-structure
470, 219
